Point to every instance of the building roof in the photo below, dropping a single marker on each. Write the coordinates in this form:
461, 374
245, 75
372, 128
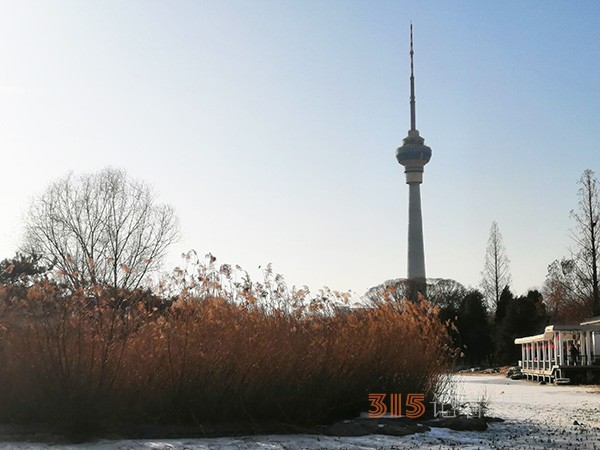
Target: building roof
592, 321
548, 333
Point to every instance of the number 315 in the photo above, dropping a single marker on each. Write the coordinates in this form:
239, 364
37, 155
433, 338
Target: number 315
414, 407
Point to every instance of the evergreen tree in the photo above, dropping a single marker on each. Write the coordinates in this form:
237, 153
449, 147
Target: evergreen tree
21, 269
473, 327
524, 316
505, 298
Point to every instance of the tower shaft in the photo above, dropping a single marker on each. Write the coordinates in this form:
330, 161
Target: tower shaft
416, 250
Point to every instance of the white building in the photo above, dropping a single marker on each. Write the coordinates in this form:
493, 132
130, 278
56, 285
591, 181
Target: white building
563, 353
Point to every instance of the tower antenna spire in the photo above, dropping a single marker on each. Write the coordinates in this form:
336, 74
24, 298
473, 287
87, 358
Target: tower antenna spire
413, 116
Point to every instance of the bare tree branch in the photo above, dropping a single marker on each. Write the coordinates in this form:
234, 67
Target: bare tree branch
587, 239
496, 268
101, 228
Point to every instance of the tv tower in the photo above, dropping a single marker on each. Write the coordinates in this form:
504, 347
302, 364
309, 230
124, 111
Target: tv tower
413, 155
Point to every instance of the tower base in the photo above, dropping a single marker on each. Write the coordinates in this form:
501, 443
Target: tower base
416, 288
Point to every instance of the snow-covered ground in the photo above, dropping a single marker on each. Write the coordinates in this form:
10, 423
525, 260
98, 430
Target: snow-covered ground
537, 417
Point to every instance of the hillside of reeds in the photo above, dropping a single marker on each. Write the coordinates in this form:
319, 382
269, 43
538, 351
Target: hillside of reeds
211, 347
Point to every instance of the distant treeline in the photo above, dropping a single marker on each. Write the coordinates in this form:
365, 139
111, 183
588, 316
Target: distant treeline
479, 334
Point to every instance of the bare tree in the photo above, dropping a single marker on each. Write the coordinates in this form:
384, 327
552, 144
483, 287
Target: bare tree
496, 268
565, 299
101, 228
587, 238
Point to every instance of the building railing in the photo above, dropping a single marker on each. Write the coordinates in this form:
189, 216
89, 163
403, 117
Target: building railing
581, 360
538, 365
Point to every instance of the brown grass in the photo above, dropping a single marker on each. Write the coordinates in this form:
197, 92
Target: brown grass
214, 355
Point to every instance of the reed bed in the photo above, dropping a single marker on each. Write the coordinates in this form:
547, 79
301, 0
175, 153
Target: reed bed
218, 348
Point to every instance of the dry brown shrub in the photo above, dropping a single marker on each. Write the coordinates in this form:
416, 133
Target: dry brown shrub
81, 357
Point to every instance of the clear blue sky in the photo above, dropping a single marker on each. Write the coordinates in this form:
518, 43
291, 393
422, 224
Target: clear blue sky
271, 126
